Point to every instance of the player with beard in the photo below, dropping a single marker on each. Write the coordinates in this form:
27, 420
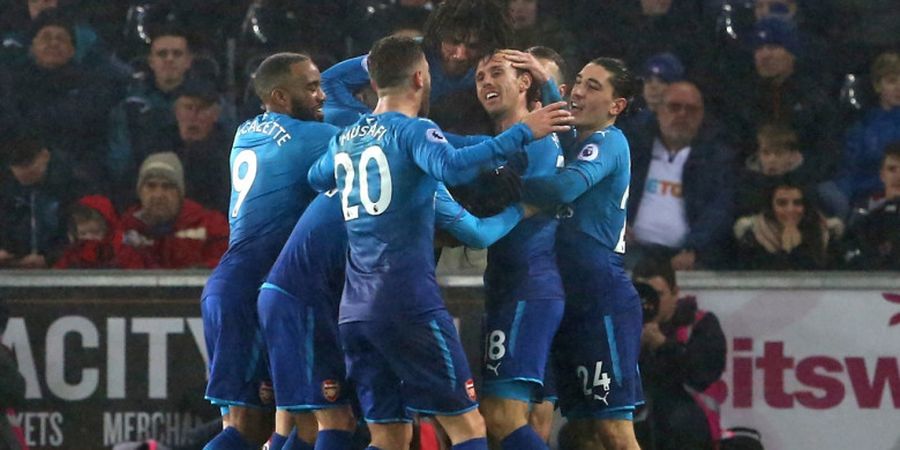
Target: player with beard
597, 346
402, 350
271, 155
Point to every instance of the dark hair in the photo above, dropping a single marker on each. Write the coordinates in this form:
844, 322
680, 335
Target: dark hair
625, 84
52, 17
273, 72
540, 51
22, 150
811, 224
891, 150
392, 59
484, 19
781, 135
172, 31
534, 91
79, 213
655, 266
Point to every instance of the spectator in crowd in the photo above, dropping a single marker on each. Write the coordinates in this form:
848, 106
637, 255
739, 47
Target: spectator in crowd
144, 122
682, 357
532, 26
94, 239
12, 390
659, 71
864, 147
205, 145
809, 32
66, 104
403, 17
89, 49
777, 92
166, 229
863, 29
777, 154
35, 191
681, 198
873, 239
457, 35
789, 233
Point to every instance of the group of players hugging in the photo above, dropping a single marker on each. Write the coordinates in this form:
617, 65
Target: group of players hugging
328, 288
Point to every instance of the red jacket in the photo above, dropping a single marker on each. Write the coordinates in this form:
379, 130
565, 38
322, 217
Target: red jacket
108, 253
198, 238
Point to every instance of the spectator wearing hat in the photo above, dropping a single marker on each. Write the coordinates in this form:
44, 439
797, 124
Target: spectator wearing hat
681, 201
205, 146
658, 72
166, 229
36, 189
67, 105
777, 93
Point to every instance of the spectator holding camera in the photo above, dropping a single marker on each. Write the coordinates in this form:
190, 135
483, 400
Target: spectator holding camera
682, 357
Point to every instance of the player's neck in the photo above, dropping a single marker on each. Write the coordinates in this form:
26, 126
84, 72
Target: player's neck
401, 103
586, 131
503, 122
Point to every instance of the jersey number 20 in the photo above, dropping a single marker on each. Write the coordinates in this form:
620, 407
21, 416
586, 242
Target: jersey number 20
373, 154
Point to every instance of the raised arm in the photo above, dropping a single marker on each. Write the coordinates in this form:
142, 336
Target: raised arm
339, 83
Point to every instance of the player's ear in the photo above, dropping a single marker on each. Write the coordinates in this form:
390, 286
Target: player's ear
278, 96
418, 79
618, 105
525, 81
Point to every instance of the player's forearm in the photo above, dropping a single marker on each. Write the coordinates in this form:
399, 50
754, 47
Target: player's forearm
341, 81
482, 233
547, 192
321, 174
457, 166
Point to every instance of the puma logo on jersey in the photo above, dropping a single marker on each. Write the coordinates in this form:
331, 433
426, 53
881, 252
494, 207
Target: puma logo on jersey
495, 368
602, 398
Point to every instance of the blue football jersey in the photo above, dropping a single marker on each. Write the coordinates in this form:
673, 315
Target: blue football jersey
522, 265
270, 158
341, 81
386, 168
604, 162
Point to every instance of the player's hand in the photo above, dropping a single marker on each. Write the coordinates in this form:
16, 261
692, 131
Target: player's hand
526, 61
530, 210
553, 118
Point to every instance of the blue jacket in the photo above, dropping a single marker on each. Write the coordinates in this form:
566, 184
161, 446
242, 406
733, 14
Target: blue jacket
707, 187
863, 151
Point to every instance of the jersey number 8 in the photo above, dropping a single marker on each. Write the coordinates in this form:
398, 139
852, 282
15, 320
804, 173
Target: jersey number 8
342, 162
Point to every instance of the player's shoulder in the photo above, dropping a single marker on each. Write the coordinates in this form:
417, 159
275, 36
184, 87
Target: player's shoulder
425, 129
314, 128
609, 140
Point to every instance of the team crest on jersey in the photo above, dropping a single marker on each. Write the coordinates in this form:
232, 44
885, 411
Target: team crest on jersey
331, 390
435, 135
590, 152
266, 393
470, 390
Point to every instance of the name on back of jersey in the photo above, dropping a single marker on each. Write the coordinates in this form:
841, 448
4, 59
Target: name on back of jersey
269, 128
370, 129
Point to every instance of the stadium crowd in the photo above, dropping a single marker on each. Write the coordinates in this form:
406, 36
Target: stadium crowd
767, 135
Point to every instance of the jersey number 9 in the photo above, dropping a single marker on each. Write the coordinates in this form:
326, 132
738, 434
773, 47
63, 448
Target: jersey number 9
241, 182
343, 163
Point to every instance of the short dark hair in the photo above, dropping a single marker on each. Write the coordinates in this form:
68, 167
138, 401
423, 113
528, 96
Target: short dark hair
173, 31
655, 266
79, 213
891, 150
21, 150
486, 19
392, 59
273, 72
625, 84
779, 134
540, 51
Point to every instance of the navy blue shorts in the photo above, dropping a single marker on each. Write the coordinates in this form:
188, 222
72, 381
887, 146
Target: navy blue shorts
517, 342
237, 357
598, 343
305, 359
400, 369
